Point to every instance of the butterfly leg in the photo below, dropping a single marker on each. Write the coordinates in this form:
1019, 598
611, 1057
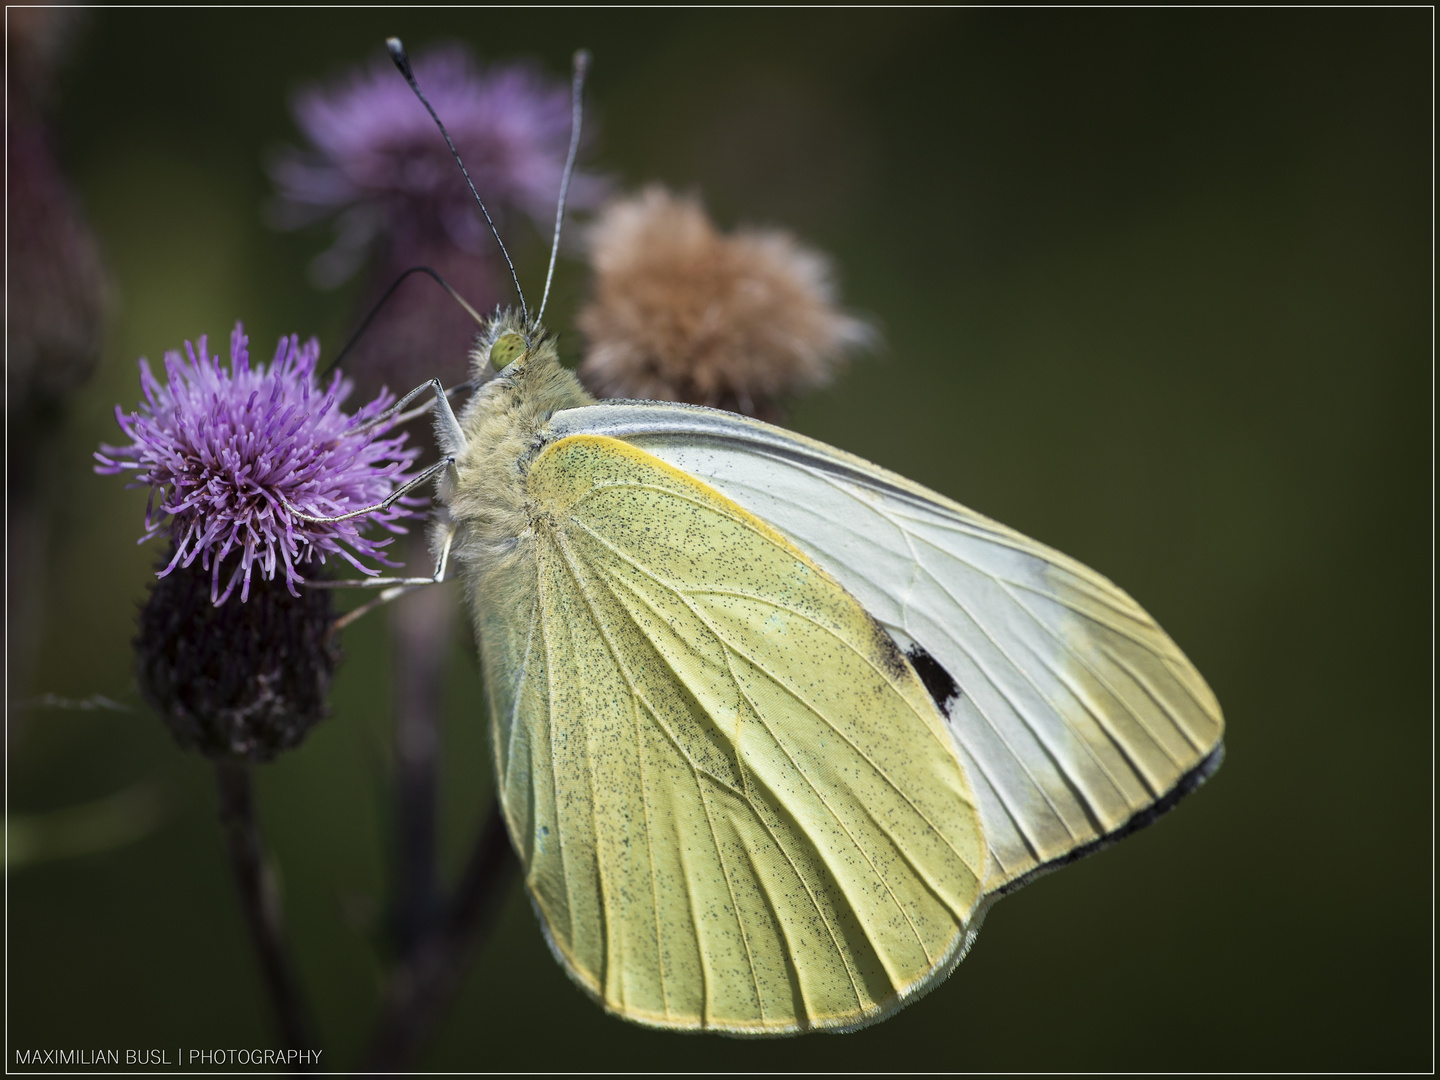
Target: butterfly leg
410, 485
393, 587
454, 436
451, 436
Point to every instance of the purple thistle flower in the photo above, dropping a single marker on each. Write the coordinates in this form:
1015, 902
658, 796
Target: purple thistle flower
233, 454
375, 150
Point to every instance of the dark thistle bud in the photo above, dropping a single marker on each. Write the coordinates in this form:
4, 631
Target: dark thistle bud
236, 680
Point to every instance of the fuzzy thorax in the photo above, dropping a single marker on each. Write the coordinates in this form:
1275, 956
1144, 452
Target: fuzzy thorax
502, 425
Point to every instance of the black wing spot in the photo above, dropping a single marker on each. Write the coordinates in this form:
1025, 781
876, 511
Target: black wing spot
937, 680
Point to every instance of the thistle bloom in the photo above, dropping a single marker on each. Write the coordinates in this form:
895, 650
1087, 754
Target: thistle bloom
232, 454
375, 150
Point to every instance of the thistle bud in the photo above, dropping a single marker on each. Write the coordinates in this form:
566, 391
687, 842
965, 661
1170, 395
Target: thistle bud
235, 680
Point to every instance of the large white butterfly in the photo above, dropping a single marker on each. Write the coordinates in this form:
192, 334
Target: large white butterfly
774, 727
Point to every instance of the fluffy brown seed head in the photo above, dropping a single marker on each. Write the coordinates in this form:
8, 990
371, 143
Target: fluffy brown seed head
683, 313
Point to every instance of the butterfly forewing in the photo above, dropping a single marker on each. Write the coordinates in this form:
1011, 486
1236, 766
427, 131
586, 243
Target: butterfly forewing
1075, 715
738, 806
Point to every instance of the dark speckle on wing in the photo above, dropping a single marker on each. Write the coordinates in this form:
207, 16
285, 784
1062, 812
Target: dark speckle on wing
889, 652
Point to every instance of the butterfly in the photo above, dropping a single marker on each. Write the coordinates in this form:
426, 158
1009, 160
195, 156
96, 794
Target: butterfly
774, 727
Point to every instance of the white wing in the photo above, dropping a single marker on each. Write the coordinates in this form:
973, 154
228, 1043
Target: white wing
1077, 719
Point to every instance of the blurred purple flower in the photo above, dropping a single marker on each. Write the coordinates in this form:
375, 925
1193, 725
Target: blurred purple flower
375, 155
234, 453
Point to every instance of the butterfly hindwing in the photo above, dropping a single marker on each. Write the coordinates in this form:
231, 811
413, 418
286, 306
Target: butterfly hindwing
737, 804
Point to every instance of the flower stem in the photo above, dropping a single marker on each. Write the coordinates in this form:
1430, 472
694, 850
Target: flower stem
424, 984
421, 627
260, 900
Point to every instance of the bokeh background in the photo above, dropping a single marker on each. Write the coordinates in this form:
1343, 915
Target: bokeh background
1155, 288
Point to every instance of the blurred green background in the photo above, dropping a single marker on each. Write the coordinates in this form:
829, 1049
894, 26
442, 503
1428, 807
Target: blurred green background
1155, 288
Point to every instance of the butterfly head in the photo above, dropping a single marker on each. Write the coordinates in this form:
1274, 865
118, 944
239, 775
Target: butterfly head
505, 343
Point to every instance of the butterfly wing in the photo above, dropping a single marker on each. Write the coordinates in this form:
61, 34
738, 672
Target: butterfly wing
737, 805
1078, 720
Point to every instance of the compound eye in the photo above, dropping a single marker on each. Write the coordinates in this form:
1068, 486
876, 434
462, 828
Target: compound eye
506, 349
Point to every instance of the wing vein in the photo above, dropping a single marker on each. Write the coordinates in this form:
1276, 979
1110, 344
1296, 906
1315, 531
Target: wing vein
792, 969
603, 909
1040, 737
1028, 840
794, 693
1098, 715
810, 894
1006, 583
686, 594
551, 727
1002, 536
519, 686
734, 903
564, 548
1092, 616
691, 887
755, 709
1149, 690
695, 610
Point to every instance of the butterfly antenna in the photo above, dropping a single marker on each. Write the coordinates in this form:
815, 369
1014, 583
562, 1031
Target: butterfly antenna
479, 319
577, 89
402, 61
